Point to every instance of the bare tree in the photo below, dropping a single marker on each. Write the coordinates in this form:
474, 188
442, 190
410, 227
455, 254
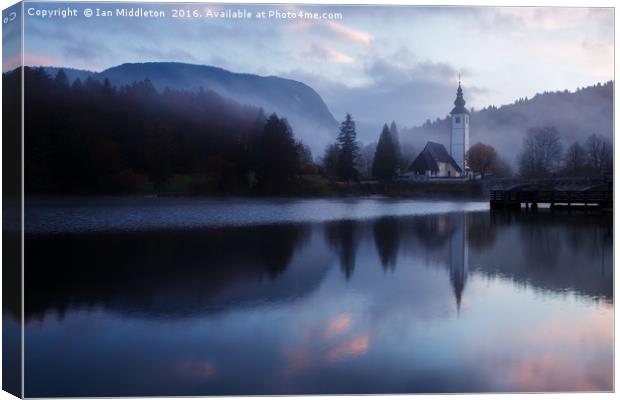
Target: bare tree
365, 160
599, 154
330, 161
480, 158
542, 152
575, 160
408, 154
306, 162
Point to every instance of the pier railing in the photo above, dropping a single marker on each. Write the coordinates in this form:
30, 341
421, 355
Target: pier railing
558, 183
568, 198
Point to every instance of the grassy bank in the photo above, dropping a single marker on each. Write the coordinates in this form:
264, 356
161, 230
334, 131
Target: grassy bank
311, 185
317, 186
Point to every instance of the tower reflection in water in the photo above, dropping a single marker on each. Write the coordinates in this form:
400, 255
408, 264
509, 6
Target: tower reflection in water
345, 300
459, 257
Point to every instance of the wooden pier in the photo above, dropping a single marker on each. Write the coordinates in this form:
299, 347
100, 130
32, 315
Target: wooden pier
565, 193
570, 199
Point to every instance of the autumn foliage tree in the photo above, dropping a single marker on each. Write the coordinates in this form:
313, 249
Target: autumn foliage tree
481, 158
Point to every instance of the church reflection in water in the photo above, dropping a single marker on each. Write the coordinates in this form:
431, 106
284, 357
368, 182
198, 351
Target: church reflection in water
207, 269
458, 257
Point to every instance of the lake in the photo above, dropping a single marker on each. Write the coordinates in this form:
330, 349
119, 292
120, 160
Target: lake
128, 297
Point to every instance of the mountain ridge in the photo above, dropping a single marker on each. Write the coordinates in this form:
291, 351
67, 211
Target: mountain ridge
299, 103
576, 114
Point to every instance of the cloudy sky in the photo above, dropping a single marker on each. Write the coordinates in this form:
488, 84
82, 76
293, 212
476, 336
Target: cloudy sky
379, 63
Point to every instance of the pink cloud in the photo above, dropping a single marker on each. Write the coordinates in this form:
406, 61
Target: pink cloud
297, 359
298, 26
12, 62
540, 373
33, 59
338, 325
351, 348
195, 370
597, 330
349, 33
324, 343
320, 54
30, 59
341, 31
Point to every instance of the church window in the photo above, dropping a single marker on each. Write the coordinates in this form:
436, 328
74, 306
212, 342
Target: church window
457, 120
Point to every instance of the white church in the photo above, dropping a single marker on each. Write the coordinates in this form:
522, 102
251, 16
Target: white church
435, 160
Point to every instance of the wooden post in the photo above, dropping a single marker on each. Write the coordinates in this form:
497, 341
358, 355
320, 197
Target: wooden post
552, 200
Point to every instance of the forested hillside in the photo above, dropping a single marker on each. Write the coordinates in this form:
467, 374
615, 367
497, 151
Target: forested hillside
303, 106
92, 137
575, 115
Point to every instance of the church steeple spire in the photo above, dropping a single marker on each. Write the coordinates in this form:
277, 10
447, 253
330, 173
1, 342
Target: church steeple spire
459, 103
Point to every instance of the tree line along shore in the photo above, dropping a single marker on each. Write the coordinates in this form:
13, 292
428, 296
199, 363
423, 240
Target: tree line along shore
94, 138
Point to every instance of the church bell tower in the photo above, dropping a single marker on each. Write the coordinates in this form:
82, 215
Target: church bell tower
459, 138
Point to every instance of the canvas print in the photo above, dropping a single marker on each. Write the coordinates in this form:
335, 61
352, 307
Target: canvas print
288, 199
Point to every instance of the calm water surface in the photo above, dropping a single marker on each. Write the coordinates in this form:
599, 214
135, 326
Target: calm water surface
205, 297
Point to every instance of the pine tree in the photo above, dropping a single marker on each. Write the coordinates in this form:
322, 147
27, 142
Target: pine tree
61, 79
107, 87
348, 150
396, 141
77, 85
385, 162
279, 161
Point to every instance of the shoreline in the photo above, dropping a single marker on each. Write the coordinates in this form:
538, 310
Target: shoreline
468, 190
81, 215
257, 197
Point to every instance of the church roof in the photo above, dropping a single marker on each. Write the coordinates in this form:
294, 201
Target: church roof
429, 157
459, 103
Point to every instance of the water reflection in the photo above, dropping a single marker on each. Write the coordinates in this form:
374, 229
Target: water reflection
344, 237
387, 239
164, 273
459, 259
351, 306
548, 251
552, 251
